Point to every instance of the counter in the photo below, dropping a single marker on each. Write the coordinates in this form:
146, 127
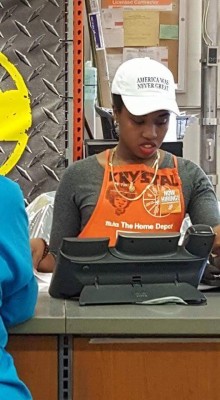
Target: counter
49, 318
120, 352
162, 320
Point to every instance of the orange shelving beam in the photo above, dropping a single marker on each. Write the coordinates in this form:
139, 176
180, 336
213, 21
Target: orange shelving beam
78, 72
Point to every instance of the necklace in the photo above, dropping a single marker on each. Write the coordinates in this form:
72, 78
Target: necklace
131, 187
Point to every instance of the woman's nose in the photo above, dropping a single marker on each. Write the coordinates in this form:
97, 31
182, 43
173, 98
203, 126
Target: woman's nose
149, 131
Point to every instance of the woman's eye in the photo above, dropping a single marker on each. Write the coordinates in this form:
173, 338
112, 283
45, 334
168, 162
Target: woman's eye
160, 121
163, 121
138, 122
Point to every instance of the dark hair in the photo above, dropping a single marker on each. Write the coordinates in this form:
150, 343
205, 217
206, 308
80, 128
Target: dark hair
117, 102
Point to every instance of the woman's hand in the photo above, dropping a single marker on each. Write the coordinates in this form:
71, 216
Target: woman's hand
41, 262
216, 245
213, 268
37, 248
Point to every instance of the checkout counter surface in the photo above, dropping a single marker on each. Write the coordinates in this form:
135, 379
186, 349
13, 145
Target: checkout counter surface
57, 316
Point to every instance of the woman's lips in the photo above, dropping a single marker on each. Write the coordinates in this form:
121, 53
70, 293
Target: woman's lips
147, 149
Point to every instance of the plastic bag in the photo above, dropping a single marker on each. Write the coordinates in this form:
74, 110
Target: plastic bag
40, 215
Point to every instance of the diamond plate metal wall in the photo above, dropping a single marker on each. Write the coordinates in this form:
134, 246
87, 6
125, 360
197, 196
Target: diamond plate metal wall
32, 36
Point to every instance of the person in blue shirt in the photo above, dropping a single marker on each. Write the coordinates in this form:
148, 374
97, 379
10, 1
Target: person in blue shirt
18, 287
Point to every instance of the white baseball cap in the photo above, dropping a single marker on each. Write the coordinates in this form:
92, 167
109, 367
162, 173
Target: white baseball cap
145, 85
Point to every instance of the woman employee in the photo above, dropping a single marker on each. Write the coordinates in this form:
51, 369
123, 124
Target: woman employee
136, 187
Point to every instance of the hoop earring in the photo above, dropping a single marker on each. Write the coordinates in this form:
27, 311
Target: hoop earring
116, 128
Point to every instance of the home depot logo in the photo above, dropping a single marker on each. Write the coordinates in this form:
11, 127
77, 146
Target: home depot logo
15, 115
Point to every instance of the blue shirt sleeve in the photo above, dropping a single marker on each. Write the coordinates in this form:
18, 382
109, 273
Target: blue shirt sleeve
18, 287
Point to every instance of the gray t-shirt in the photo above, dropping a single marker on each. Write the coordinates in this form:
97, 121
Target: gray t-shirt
79, 189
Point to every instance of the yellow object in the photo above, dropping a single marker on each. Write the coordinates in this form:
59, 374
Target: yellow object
15, 115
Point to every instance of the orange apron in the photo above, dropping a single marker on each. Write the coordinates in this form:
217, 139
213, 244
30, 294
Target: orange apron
160, 209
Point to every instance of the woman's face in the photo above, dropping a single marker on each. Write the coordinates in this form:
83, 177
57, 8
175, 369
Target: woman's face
141, 136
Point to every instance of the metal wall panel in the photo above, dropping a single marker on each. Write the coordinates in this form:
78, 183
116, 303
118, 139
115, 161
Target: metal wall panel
32, 36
